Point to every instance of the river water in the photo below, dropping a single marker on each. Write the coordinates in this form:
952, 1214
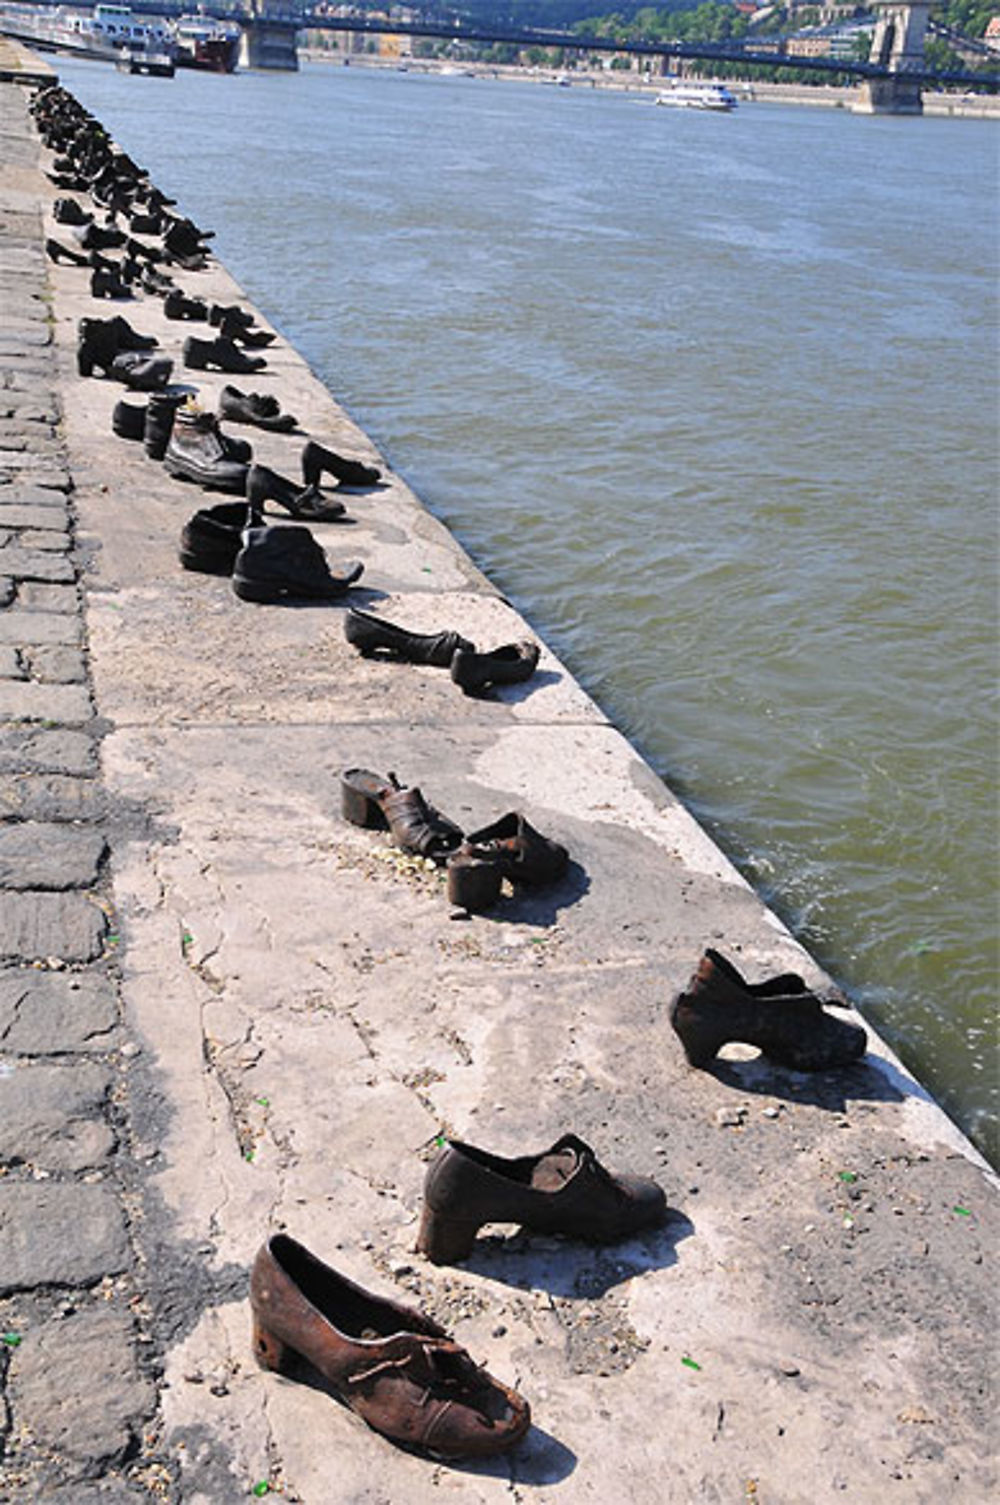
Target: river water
713, 399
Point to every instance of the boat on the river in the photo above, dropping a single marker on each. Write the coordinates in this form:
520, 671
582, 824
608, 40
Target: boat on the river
206, 43
110, 33
691, 95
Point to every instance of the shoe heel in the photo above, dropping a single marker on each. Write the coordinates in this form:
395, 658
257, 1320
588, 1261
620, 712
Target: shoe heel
474, 886
269, 1351
257, 590
445, 1241
359, 808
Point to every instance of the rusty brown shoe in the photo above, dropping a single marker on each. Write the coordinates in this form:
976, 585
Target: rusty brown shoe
393, 1366
564, 1190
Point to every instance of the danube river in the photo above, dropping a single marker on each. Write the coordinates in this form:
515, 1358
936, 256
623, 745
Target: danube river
713, 399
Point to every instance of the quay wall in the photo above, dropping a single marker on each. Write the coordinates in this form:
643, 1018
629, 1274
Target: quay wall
239, 1013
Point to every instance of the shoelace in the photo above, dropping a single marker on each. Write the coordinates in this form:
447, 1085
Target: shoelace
425, 1354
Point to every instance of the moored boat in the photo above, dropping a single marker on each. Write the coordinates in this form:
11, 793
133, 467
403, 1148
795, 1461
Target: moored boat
111, 33
205, 43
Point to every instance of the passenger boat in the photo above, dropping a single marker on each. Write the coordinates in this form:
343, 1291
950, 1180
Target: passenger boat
202, 42
685, 95
108, 32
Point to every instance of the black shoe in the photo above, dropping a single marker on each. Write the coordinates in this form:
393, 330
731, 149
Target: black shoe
197, 451
304, 504
145, 224
99, 237
287, 564
229, 313
316, 460
252, 407
160, 413
177, 306
474, 672
69, 212
373, 635
141, 372
212, 538
58, 253
199, 355
128, 338
780, 1016
108, 285
241, 334
129, 420
156, 283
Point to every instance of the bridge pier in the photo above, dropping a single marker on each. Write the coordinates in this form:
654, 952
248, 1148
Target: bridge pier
270, 45
897, 44
897, 95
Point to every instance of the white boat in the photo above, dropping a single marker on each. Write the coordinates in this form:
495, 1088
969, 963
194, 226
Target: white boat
109, 32
685, 95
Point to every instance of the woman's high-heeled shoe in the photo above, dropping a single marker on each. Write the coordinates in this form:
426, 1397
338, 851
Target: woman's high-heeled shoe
316, 460
397, 1369
780, 1016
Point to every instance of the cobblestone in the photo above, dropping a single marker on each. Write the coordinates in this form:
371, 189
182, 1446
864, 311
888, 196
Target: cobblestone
35, 564
51, 797
37, 926
33, 595
46, 750
56, 665
36, 855
30, 701
27, 626
59, 1233
78, 1380
56, 1013
52, 1117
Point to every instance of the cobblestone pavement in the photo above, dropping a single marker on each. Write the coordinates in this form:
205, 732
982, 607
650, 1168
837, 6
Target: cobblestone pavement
74, 1388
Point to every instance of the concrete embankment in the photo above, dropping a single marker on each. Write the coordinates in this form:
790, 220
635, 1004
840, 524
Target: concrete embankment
967, 106
253, 1016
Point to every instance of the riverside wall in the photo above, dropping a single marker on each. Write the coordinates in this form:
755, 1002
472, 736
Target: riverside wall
224, 1011
748, 91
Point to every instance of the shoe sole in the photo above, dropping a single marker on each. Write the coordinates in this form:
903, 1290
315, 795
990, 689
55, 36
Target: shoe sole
182, 472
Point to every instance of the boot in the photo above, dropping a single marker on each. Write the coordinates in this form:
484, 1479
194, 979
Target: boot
287, 564
160, 413
780, 1016
373, 636
108, 285
306, 505
474, 672
196, 451
316, 460
564, 1190
199, 355
129, 420
129, 338
251, 407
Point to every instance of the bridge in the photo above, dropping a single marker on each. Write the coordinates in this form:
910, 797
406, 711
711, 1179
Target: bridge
891, 79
